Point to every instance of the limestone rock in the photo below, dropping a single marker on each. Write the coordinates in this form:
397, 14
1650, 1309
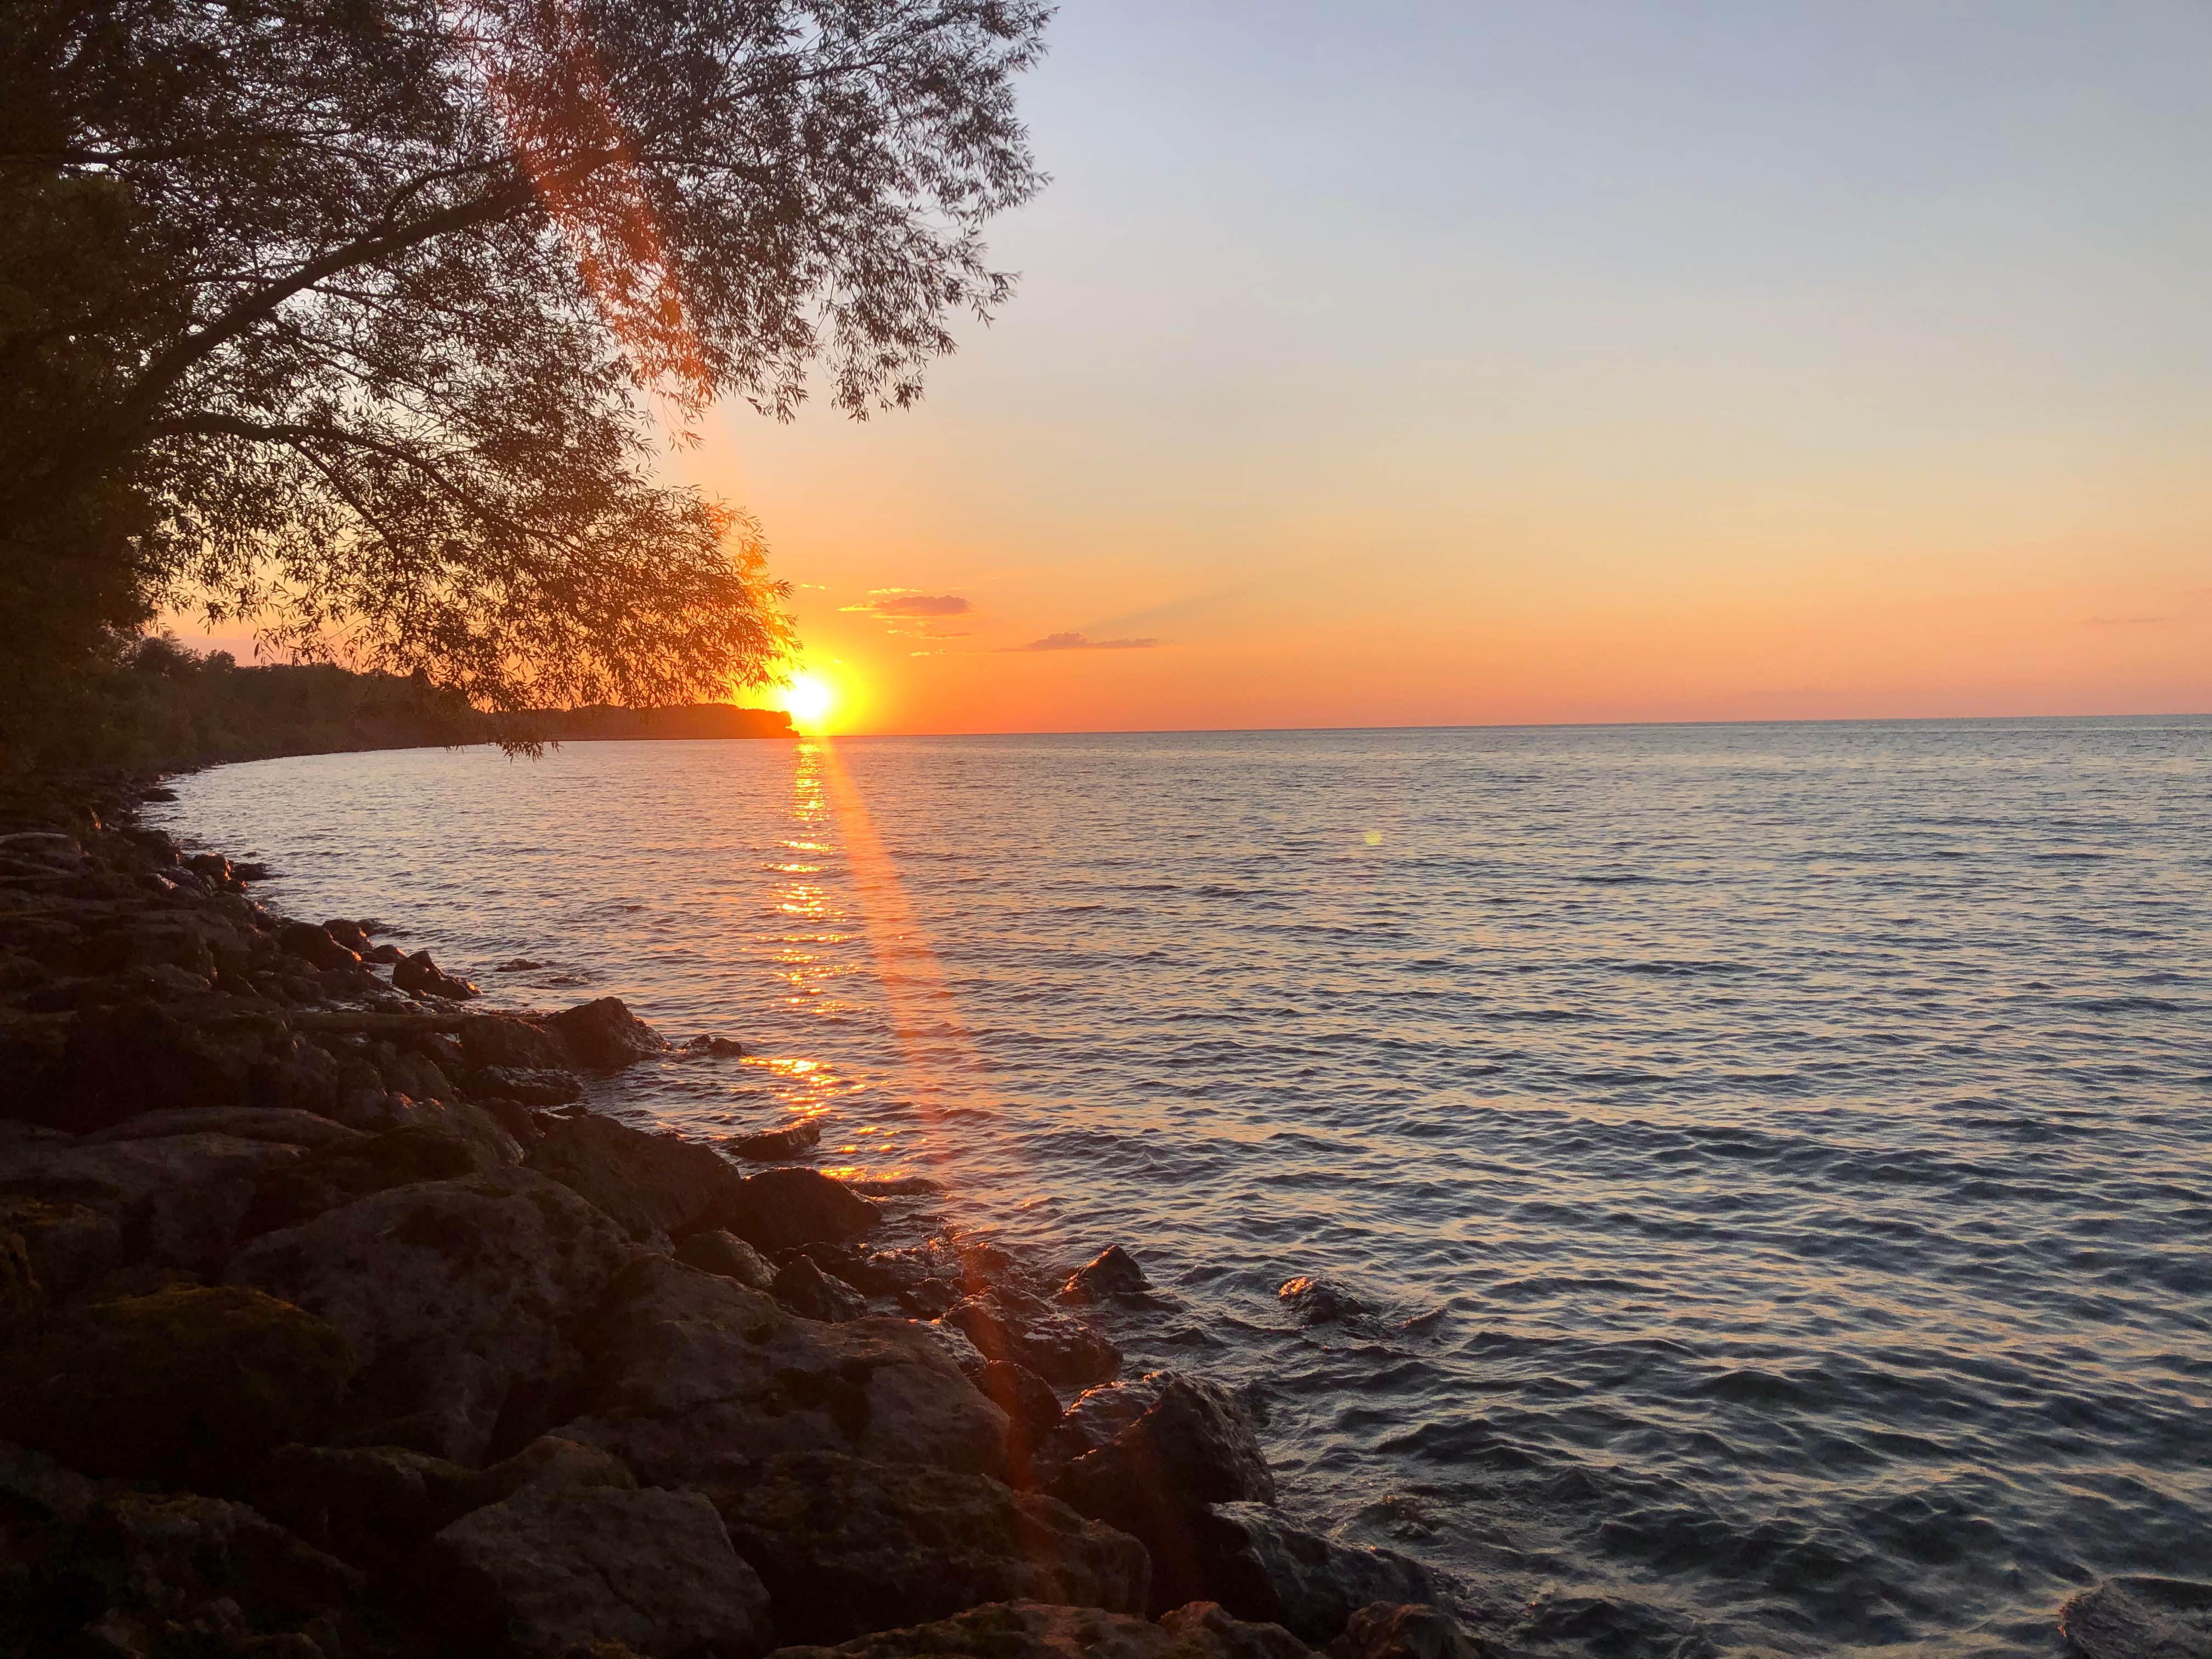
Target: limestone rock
779, 1210
456, 1296
847, 1546
696, 1380
605, 1036
190, 1386
655, 1185
549, 1567
715, 1251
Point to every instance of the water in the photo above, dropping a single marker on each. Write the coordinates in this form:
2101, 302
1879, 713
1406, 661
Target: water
1778, 1156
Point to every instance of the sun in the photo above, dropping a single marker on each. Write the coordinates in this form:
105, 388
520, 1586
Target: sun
807, 700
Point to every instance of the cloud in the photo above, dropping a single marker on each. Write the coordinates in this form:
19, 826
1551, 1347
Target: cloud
1082, 642
889, 602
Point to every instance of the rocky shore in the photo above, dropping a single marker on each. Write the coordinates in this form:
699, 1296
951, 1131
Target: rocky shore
333, 1324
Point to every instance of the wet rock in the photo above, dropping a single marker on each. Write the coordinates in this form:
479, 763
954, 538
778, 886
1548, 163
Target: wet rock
846, 1546
383, 956
1003, 1324
1113, 1271
717, 1252
538, 1087
279, 1125
178, 1198
189, 1386
338, 1175
652, 1570
419, 976
655, 1185
696, 1380
502, 1040
605, 1036
776, 1146
1036, 1630
518, 965
1192, 1446
1318, 1302
462, 1321
1397, 1630
779, 1210
713, 1047
812, 1294
2140, 1618
315, 946
350, 934
1259, 1567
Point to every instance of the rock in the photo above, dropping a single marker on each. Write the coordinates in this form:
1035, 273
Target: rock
531, 1087
282, 1126
652, 1570
1395, 1630
776, 1146
420, 976
713, 1047
179, 1200
502, 1040
605, 1036
190, 1386
1318, 1302
547, 1461
1003, 1324
847, 1546
1036, 1630
338, 1175
656, 1185
22, 1298
1259, 1567
1113, 1271
812, 1294
717, 1252
1191, 1447
350, 934
418, 1077
67, 1245
372, 1505
461, 1323
383, 956
779, 1210
2140, 1618
518, 965
315, 946
1032, 1409
696, 1380
142, 1057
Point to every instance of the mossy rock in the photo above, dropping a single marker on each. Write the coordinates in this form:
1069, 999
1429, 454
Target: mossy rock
192, 1386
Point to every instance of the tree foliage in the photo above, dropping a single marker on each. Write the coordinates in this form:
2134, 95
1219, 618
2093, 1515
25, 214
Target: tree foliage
365, 318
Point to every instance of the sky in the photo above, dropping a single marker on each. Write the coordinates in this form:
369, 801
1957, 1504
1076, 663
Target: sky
1423, 364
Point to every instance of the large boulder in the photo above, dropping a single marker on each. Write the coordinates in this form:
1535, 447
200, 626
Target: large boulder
2140, 1618
1112, 1273
657, 1186
140, 1057
190, 1386
1259, 1567
1191, 1447
812, 1294
504, 1040
697, 1381
1397, 1630
715, 1251
1035, 1630
457, 1297
339, 1174
174, 1199
371, 1505
315, 946
605, 1036
847, 1546
284, 1127
422, 977
551, 1568
1004, 1324
779, 1210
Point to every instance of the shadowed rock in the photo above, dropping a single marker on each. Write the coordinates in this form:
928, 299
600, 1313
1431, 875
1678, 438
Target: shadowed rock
419, 974
776, 1146
502, 1040
715, 1251
779, 1210
1391, 1630
190, 1386
283, 1126
846, 1546
1003, 1324
605, 1036
552, 1567
1113, 1271
1258, 1565
1318, 1302
1035, 1630
176, 1198
538, 1087
316, 947
2140, 1618
656, 1185
340, 1174
812, 1294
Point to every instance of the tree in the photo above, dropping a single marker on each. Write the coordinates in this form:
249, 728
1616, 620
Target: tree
366, 317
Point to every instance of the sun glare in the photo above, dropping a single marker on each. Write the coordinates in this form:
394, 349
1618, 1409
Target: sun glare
808, 699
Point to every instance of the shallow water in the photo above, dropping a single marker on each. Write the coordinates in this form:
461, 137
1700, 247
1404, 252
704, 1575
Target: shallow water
1778, 1156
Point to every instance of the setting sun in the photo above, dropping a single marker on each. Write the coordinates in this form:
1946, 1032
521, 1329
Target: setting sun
808, 699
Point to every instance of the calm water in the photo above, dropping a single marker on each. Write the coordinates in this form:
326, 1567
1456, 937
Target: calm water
1778, 1156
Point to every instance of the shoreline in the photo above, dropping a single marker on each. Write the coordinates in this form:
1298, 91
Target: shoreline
319, 1285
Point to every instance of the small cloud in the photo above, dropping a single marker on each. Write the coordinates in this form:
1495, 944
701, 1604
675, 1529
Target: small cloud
905, 603
1082, 643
